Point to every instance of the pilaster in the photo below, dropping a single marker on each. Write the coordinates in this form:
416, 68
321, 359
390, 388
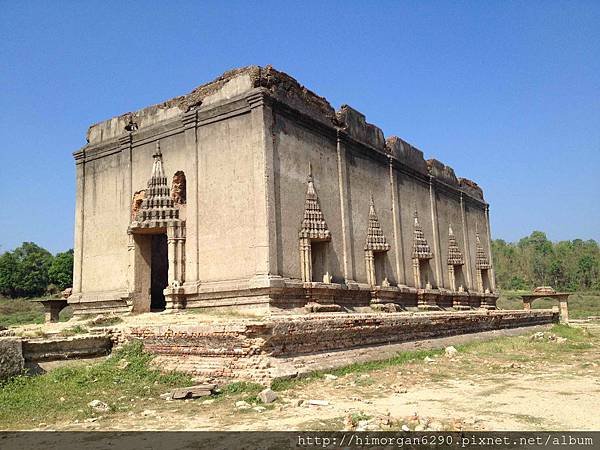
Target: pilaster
479, 280
190, 123
126, 149
265, 224
370, 267
131, 255
172, 254
466, 245
305, 260
439, 279
79, 222
347, 234
416, 273
492, 275
452, 277
398, 239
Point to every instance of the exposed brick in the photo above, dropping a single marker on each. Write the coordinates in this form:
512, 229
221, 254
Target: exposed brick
247, 350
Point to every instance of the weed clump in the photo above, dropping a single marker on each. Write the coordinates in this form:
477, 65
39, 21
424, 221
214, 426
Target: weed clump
64, 393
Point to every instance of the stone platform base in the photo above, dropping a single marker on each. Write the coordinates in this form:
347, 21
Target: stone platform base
264, 350
278, 296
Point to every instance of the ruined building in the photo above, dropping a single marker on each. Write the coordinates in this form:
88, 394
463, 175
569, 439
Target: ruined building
253, 192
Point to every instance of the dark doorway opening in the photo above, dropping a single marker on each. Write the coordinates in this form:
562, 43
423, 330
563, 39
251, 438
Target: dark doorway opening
319, 260
485, 281
459, 279
159, 270
425, 270
379, 262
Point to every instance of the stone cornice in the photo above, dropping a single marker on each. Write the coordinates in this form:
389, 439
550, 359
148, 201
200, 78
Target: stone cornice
304, 120
407, 170
473, 201
126, 140
258, 97
440, 185
362, 148
191, 119
79, 156
369, 151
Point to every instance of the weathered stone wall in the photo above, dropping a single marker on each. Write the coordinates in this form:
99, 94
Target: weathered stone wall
295, 147
346, 173
107, 204
244, 143
51, 349
449, 213
226, 209
252, 349
414, 193
219, 159
366, 177
476, 220
11, 357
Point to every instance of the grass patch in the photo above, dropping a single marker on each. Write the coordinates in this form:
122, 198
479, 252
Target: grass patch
21, 311
572, 333
336, 423
358, 416
400, 358
64, 393
77, 329
533, 420
242, 390
241, 387
522, 348
364, 381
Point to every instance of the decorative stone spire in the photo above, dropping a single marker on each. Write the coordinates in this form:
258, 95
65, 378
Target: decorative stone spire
313, 224
158, 207
481, 258
376, 241
421, 249
455, 256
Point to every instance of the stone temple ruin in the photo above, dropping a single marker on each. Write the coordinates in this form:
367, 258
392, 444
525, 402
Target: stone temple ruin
252, 192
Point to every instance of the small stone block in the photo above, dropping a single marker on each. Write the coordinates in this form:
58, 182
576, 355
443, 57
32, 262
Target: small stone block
267, 396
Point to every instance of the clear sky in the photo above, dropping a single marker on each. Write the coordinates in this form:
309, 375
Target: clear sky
505, 92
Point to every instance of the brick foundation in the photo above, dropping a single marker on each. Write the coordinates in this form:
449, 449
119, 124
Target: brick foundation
256, 349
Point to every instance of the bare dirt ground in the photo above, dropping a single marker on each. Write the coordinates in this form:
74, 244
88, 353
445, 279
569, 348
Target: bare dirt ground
514, 383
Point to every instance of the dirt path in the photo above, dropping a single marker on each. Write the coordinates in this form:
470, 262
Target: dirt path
509, 384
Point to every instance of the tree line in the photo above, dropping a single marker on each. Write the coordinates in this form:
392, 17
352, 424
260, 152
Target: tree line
536, 261
30, 270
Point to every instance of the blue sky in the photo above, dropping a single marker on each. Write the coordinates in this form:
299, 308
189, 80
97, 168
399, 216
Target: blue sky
507, 93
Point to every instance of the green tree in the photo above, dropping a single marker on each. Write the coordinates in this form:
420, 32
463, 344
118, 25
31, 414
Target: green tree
517, 283
535, 261
585, 266
33, 264
61, 270
8, 274
24, 271
537, 250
